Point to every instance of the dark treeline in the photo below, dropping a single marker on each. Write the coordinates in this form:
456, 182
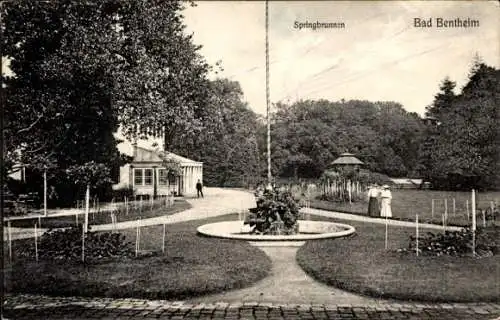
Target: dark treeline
308, 135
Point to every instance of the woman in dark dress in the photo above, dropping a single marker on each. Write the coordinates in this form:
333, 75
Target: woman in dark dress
373, 201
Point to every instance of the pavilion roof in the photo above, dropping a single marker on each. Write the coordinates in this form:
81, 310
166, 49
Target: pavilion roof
346, 158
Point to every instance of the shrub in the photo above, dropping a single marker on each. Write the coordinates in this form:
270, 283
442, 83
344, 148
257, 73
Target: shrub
276, 213
457, 243
121, 193
66, 244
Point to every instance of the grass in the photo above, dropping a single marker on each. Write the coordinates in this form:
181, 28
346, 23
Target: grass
407, 203
361, 264
102, 217
192, 265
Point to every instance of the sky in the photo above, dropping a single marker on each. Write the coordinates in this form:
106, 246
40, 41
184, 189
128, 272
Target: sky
378, 56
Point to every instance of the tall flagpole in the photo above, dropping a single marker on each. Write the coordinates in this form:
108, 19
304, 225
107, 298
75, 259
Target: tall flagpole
269, 177
2, 180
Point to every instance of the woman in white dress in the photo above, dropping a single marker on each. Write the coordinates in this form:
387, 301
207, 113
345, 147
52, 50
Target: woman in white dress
385, 205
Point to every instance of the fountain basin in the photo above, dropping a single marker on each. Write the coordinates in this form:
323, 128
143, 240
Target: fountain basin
308, 230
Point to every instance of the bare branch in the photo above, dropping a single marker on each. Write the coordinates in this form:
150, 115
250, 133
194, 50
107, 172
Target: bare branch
31, 125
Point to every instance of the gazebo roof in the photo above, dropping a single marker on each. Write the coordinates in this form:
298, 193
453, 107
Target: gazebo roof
346, 158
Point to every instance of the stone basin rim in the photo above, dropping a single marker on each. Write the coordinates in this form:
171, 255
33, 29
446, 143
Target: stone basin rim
232, 230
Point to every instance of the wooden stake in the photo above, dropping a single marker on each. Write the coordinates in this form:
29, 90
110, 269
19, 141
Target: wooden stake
83, 243
36, 243
484, 218
349, 191
163, 242
473, 210
416, 231
140, 205
467, 208
87, 199
444, 226
446, 208
432, 206
473, 222
9, 234
454, 207
45, 193
137, 236
386, 232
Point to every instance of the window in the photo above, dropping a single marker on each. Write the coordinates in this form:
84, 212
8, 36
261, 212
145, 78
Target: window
148, 177
143, 177
162, 177
138, 177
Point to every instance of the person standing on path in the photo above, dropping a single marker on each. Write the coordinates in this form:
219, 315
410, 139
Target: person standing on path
199, 188
373, 201
385, 205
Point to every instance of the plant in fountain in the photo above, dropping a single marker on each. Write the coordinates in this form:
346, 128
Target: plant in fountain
276, 213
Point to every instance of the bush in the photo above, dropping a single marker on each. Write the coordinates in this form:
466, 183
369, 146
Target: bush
66, 245
276, 213
121, 193
457, 243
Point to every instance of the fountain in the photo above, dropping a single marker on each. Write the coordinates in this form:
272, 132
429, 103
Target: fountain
275, 221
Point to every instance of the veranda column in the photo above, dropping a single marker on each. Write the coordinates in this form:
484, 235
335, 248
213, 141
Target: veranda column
192, 182
184, 178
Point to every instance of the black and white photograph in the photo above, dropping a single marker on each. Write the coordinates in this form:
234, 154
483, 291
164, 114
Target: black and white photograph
250, 159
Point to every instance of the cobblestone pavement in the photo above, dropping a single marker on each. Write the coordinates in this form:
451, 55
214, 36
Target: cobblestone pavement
42, 307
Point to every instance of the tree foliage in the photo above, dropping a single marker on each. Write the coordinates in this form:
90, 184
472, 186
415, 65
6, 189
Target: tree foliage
308, 135
58, 112
462, 144
83, 68
228, 146
161, 84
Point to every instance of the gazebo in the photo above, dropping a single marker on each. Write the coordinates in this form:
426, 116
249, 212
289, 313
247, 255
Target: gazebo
346, 161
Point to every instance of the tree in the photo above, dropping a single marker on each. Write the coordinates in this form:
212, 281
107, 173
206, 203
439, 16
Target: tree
443, 101
58, 110
228, 146
465, 144
161, 86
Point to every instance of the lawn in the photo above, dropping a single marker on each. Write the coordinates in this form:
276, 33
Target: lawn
102, 217
407, 203
361, 264
192, 265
